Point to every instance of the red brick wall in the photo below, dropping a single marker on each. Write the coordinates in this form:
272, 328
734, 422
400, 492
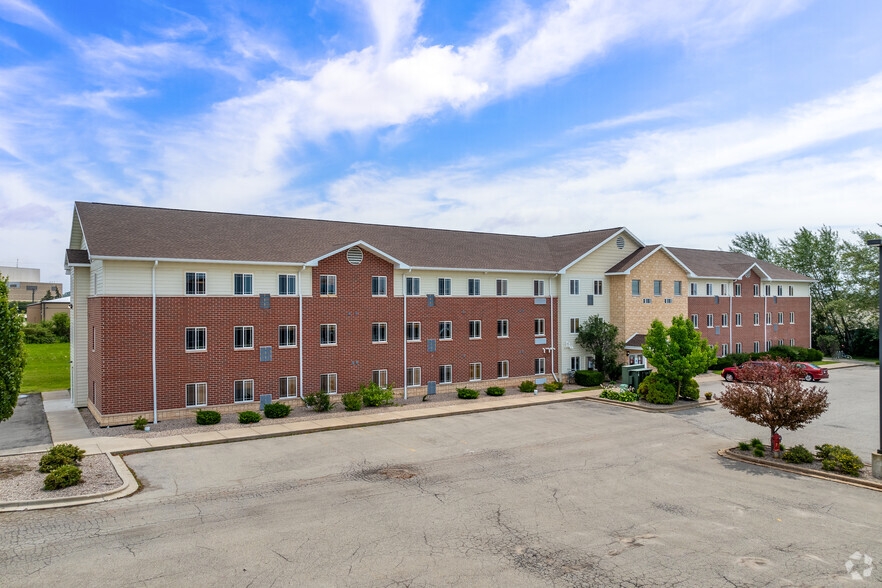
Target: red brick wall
95, 334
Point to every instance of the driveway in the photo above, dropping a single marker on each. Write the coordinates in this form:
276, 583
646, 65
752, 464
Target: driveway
27, 427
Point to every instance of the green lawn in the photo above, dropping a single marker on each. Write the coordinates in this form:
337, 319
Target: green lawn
48, 367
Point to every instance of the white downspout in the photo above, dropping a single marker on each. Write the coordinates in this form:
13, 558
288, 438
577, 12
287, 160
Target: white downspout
404, 292
765, 316
731, 316
553, 346
155, 263
300, 331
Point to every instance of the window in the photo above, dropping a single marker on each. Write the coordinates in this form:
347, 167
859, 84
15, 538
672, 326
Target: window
412, 286
575, 362
768, 289
443, 286
737, 319
756, 346
768, 345
380, 378
539, 365
197, 394
328, 334
378, 285
574, 325
502, 287
328, 383
738, 348
539, 327
647, 301
678, 288
756, 319
243, 284
195, 339
635, 287
724, 350
737, 289
288, 387
378, 333
474, 372
327, 285
693, 289
792, 319
724, 289
574, 287
780, 290
780, 342
710, 320
756, 293
243, 391
414, 376
538, 287
793, 342
790, 290
636, 359
656, 287
598, 287
474, 286
413, 331
445, 330
502, 369
474, 329
287, 285
768, 318
709, 289
194, 283
243, 338
724, 320
445, 374
695, 320
502, 328
287, 335
780, 318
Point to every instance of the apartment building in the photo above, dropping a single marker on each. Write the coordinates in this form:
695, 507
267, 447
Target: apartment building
198, 309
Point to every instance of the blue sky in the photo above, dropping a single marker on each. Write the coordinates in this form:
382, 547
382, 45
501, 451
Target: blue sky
687, 121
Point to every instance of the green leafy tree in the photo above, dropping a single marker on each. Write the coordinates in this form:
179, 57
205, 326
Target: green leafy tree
12, 353
756, 245
61, 326
678, 352
600, 338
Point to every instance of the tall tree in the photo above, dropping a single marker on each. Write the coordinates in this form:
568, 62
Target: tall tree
678, 352
754, 244
600, 338
12, 354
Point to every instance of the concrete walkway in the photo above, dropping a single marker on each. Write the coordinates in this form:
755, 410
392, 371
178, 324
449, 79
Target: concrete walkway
65, 421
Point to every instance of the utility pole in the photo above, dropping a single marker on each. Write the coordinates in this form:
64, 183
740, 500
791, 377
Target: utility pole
877, 455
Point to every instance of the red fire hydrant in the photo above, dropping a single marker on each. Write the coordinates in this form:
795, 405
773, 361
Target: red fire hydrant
776, 444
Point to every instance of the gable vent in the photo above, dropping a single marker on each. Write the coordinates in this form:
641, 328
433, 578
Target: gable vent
355, 256
620, 242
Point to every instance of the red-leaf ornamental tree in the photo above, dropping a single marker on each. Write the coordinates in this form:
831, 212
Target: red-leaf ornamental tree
771, 394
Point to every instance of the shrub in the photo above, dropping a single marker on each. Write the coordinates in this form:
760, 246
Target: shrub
318, 401
375, 395
839, 459
559, 385
466, 393
249, 416
722, 363
690, 390
657, 390
39, 333
352, 401
759, 451
140, 423
756, 442
550, 386
207, 417
495, 391
744, 446
813, 355
798, 454
527, 386
276, 410
61, 455
621, 395
588, 378
62, 477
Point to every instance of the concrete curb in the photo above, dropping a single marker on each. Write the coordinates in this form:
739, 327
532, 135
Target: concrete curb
661, 408
129, 486
820, 474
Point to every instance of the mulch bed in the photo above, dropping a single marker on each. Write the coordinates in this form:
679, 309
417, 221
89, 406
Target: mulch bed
814, 467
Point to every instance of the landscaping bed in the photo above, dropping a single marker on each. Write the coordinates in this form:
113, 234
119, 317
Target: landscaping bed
20, 478
864, 476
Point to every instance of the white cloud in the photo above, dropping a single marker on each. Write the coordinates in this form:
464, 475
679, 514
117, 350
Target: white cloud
26, 14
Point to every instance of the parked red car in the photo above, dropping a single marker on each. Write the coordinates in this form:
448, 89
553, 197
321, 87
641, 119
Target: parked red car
806, 371
729, 372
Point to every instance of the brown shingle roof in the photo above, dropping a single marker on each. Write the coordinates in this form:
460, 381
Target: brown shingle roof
114, 230
726, 264
633, 259
77, 256
637, 340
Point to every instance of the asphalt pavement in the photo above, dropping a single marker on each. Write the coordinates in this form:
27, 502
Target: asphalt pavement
26, 427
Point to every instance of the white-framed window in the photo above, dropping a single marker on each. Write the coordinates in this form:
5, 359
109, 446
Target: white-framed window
780, 290
378, 285
502, 287
792, 318
474, 329
678, 288
724, 289
695, 320
756, 319
474, 286
768, 318
195, 339
328, 334
287, 284
768, 345
194, 283
378, 333
502, 369
445, 374
780, 318
412, 286
287, 335
738, 348
756, 346
288, 387
196, 394
656, 287
790, 290
737, 319
538, 287
724, 350
737, 290
243, 337
243, 391
243, 284
793, 342
598, 287
768, 292
445, 330
574, 326
413, 331
693, 289
444, 286
474, 372
780, 342
635, 287
575, 363
380, 378
327, 285
539, 366
709, 289
710, 320
328, 383
724, 320
414, 376
756, 293
636, 359
574, 287
502, 328
539, 327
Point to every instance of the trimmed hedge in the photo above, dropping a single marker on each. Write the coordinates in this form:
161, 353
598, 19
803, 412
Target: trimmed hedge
527, 386
62, 477
588, 378
249, 416
276, 410
495, 391
657, 390
467, 393
207, 417
622, 396
690, 390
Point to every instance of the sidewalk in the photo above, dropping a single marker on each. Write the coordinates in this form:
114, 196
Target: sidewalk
65, 422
